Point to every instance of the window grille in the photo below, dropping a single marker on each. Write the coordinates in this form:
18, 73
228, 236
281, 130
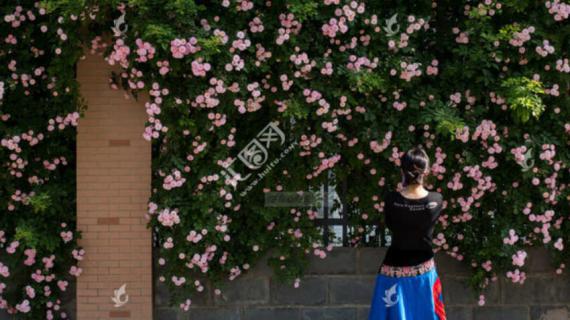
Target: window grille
335, 213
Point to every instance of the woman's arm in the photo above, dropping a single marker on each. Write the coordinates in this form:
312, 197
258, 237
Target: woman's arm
437, 209
388, 210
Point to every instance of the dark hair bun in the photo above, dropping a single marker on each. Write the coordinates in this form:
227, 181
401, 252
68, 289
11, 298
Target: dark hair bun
414, 165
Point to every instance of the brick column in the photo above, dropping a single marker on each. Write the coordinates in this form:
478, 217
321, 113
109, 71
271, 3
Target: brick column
113, 186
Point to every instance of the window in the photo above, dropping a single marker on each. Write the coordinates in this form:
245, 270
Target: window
334, 216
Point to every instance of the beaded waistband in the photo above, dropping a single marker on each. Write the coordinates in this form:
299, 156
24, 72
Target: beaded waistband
407, 271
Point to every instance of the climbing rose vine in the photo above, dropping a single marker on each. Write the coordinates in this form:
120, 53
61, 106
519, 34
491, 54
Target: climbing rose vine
250, 97
39, 110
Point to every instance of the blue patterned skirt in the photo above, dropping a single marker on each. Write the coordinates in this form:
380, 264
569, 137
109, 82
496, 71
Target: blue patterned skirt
408, 293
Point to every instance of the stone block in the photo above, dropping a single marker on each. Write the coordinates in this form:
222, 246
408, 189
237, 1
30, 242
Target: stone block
212, 314
550, 312
5, 316
338, 261
459, 313
368, 260
362, 313
166, 314
329, 313
501, 313
456, 290
539, 260
244, 290
351, 289
537, 290
448, 265
262, 269
256, 313
311, 291
162, 296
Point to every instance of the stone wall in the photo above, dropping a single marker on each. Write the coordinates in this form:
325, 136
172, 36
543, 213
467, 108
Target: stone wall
340, 287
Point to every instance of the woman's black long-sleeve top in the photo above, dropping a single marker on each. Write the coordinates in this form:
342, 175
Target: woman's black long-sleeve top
411, 223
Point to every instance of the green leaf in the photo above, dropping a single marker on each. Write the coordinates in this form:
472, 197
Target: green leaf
40, 202
523, 95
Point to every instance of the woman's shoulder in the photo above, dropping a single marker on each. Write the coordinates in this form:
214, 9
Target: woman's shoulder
435, 195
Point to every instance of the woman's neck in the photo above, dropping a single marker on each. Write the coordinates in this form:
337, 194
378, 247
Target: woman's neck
415, 189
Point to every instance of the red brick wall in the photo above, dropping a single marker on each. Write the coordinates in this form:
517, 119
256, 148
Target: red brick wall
113, 186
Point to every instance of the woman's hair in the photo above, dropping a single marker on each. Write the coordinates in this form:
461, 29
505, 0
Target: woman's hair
414, 164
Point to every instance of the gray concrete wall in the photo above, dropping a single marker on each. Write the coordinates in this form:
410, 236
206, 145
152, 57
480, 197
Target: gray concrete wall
340, 287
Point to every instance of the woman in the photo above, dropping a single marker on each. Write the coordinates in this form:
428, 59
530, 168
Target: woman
407, 285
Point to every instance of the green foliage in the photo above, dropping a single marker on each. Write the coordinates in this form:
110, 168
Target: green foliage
211, 46
446, 119
506, 32
524, 97
295, 109
40, 202
304, 9
367, 82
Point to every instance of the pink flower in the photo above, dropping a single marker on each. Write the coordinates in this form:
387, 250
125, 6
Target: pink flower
4, 270
517, 276
30, 292
13, 246
31, 254
48, 261
519, 257
481, 300
182, 47
178, 281
164, 66
560, 10
66, 236
186, 305
487, 265
169, 218
145, 51
24, 306
169, 243
194, 237
512, 238
75, 271
462, 38
120, 54
62, 285
38, 276
173, 180
78, 255
559, 244
199, 69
